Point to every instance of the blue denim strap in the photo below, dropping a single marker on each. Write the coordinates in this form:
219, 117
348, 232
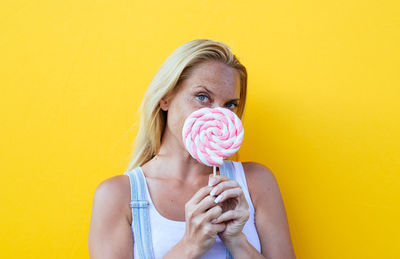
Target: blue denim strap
226, 169
140, 214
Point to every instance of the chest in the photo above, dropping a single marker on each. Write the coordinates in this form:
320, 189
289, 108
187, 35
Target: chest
169, 198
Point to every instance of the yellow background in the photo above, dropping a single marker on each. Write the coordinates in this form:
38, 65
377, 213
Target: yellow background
322, 113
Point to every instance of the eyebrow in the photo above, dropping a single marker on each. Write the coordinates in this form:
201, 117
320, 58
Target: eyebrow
205, 88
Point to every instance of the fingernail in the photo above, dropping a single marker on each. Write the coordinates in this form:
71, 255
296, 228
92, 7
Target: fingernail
218, 199
214, 191
211, 181
213, 220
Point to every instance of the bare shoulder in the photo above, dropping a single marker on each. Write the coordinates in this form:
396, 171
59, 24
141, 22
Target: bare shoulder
261, 181
270, 219
109, 232
114, 194
257, 168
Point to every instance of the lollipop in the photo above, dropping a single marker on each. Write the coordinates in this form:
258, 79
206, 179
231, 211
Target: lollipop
212, 134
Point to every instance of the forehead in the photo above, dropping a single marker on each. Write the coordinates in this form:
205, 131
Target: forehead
215, 76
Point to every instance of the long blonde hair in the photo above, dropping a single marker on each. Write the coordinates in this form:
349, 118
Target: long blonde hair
176, 68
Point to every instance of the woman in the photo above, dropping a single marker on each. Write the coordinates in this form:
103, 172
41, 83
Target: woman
203, 215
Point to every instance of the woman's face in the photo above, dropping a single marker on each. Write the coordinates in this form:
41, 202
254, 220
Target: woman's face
211, 84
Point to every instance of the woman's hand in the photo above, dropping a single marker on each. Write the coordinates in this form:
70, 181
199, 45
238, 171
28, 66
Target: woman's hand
234, 207
200, 233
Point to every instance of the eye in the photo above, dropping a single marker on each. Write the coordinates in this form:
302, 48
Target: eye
234, 105
200, 96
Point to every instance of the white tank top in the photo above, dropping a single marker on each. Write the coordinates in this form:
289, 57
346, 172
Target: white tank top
166, 233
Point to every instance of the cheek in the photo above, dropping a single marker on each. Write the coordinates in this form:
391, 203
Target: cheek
182, 120
192, 103
186, 107
176, 119
180, 111
185, 114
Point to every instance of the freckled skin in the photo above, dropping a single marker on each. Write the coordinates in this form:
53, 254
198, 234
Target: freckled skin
222, 80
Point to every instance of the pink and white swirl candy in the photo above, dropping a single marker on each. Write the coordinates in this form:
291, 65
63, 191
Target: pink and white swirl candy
212, 134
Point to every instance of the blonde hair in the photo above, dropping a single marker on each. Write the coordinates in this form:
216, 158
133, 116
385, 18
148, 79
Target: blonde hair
176, 68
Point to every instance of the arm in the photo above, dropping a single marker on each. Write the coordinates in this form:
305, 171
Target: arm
110, 234
270, 215
182, 250
241, 248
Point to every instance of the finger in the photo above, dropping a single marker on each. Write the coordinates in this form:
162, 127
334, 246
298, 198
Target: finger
205, 204
242, 215
204, 220
213, 180
212, 213
219, 188
214, 227
200, 194
232, 193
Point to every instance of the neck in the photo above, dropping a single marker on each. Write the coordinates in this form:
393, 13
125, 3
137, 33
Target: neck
174, 161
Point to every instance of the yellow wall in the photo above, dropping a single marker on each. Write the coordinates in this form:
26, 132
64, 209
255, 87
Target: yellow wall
323, 112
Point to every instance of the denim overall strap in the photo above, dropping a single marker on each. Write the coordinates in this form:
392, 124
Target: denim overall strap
140, 214
226, 169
